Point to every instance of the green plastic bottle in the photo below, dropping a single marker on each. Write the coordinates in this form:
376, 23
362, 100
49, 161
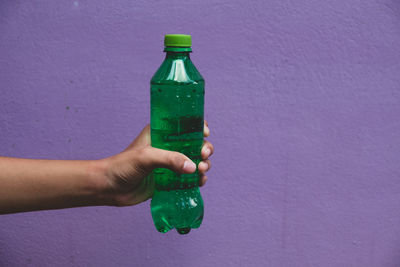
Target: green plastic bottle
177, 121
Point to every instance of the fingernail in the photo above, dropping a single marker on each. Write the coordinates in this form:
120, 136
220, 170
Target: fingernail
189, 166
205, 165
207, 152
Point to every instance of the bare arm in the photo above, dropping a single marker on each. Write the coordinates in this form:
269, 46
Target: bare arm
29, 184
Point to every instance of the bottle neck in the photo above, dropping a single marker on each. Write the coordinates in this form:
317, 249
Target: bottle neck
174, 52
177, 55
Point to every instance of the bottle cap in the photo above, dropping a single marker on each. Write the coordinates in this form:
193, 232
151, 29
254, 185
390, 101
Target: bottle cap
178, 40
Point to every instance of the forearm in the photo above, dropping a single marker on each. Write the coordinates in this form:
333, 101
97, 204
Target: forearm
28, 184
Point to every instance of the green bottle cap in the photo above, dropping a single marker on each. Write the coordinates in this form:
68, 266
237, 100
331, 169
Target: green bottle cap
178, 40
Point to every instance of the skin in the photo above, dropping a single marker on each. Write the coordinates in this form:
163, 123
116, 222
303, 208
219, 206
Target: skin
119, 180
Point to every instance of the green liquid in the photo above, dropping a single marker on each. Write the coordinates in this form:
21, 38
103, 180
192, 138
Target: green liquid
177, 106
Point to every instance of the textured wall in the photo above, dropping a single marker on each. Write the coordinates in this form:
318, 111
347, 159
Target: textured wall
303, 100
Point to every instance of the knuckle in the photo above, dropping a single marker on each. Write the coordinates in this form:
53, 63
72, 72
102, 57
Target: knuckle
211, 146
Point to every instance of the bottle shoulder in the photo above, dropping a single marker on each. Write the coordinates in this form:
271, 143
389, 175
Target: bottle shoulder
177, 71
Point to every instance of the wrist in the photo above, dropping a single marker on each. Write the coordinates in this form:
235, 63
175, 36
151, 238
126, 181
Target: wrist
101, 186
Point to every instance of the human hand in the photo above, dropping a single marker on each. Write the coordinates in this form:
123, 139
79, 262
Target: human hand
127, 173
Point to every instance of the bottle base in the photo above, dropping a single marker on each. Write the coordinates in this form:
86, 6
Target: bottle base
180, 209
163, 227
183, 231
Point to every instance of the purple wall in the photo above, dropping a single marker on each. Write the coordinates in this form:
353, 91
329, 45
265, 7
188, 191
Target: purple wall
303, 100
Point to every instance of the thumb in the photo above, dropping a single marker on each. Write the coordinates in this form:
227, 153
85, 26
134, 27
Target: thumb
152, 158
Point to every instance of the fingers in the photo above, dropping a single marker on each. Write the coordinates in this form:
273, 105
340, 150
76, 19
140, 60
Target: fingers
206, 129
204, 166
203, 180
152, 158
207, 150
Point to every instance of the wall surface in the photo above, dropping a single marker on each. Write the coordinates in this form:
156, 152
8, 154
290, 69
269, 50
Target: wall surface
303, 101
